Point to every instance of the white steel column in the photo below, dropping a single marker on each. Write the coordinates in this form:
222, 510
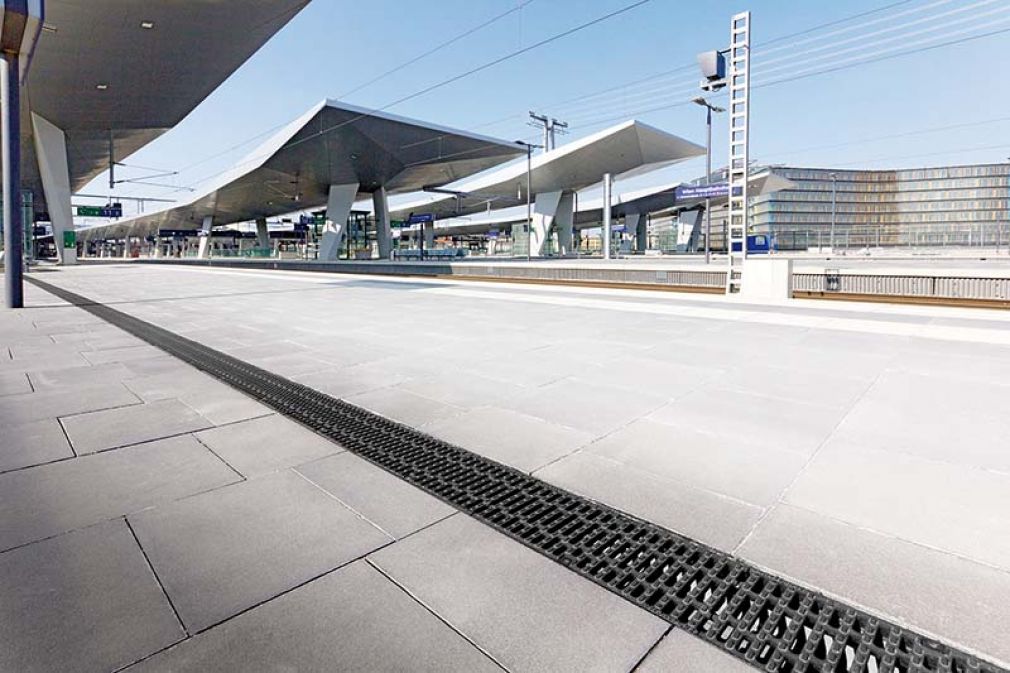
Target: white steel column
544, 210
338, 209
608, 185
126, 247
428, 233
205, 230
51, 150
564, 221
383, 235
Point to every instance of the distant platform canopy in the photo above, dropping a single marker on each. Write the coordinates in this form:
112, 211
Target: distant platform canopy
627, 149
332, 144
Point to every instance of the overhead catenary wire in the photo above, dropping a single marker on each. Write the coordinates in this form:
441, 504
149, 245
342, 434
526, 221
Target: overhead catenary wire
886, 54
437, 48
669, 99
791, 59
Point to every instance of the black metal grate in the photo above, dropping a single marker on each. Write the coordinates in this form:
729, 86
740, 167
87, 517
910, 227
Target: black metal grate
766, 621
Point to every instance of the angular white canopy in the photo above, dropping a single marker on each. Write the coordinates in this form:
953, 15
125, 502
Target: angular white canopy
624, 150
332, 144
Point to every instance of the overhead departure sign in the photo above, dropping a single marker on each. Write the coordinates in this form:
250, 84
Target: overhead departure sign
715, 191
114, 210
420, 218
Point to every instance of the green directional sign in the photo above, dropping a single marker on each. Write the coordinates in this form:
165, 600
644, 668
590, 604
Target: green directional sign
69, 239
114, 210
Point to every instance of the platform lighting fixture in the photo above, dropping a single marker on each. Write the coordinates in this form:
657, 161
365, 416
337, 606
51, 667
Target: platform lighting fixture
102, 86
709, 109
529, 188
147, 25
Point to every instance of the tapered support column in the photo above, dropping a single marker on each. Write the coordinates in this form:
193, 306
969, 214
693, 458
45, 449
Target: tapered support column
544, 211
203, 252
429, 235
51, 150
634, 223
338, 208
262, 233
126, 247
383, 235
564, 221
608, 185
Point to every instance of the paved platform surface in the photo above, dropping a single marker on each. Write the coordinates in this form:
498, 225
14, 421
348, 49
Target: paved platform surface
152, 518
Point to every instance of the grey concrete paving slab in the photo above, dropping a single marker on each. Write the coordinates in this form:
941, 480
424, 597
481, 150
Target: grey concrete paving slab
526, 611
111, 428
684, 653
405, 406
124, 354
958, 509
733, 467
585, 406
343, 382
50, 499
13, 383
212, 399
509, 437
703, 515
226, 550
262, 445
42, 359
120, 340
932, 591
79, 377
790, 383
782, 424
387, 501
352, 620
934, 416
16, 409
162, 364
468, 392
660, 378
33, 443
226, 407
84, 601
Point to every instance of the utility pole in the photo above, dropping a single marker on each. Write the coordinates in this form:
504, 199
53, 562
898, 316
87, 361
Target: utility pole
550, 126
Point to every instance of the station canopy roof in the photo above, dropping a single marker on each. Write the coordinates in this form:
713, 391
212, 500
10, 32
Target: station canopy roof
129, 70
624, 150
333, 143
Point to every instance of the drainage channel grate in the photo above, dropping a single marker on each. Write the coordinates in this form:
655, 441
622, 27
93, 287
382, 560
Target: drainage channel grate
768, 622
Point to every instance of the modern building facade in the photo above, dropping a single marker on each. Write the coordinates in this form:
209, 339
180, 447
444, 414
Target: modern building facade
950, 205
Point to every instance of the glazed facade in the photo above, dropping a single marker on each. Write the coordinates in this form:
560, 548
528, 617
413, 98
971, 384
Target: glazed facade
952, 205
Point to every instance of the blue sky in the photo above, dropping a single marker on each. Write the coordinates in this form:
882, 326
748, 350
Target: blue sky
333, 46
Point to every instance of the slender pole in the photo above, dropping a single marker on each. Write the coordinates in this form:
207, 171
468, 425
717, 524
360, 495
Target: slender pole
708, 181
834, 197
529, 202
10, 137
607, 186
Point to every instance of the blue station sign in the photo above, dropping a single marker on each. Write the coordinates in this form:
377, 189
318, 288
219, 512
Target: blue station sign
713, 191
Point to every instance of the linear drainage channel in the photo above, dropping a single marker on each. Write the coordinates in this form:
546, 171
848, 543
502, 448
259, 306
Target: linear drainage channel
772, 624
